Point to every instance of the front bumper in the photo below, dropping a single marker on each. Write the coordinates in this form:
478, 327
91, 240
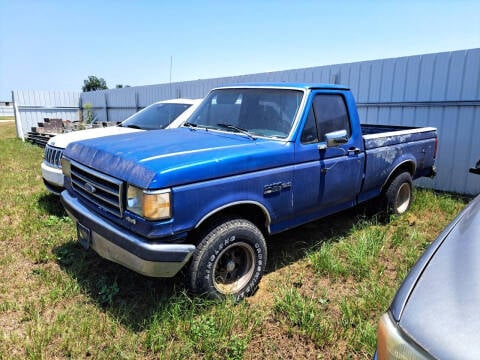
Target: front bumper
121, 246
53, 178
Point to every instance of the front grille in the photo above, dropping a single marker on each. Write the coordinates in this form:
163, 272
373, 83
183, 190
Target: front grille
53, 156
104, 191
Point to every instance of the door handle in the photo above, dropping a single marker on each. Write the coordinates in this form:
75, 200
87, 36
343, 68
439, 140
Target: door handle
353, 151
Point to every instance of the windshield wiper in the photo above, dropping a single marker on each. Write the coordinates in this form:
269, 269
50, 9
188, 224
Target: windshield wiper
132, 126
190, 125
237, 129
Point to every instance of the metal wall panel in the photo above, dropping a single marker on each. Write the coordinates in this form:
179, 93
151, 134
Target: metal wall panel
31, 107
6, 110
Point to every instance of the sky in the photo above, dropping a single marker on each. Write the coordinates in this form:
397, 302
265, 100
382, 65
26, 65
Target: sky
56, 45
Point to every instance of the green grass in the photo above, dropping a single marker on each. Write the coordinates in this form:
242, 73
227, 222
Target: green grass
4, 117
350, 258
326, 285
186, 328
304, 314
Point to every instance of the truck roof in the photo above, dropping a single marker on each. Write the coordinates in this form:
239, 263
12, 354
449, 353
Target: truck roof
303, 86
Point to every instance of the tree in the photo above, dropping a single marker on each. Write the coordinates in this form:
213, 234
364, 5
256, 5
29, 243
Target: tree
93, 83
120, 86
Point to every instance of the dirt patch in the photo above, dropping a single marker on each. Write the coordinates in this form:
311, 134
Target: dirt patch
274, 342
280, 341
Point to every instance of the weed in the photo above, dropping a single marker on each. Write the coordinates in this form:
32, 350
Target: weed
8, 306
352, 256
358, 325
196, 326
107, 290
305, 314
326, 261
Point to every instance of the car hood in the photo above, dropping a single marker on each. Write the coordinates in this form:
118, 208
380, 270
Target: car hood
62, 140
164, 158
441, 313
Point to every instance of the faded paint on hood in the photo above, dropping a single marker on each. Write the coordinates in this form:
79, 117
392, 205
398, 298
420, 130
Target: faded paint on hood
164, 158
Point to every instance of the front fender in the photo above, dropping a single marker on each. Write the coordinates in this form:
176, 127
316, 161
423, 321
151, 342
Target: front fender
236, 204
194, 203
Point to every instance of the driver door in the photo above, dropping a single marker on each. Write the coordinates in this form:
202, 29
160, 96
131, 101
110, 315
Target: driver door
328, 177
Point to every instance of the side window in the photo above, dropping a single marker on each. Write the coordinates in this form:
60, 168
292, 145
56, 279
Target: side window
331, 114
310, 133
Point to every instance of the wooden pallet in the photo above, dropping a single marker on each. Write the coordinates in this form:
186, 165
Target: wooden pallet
40, 139
44, 131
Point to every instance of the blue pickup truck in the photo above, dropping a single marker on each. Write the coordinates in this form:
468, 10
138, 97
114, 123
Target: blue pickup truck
253, 160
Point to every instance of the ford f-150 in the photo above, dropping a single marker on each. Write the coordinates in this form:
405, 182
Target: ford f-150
252, 160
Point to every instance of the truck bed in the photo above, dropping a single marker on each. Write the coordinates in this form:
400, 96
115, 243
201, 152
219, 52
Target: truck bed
376, 136
387, 146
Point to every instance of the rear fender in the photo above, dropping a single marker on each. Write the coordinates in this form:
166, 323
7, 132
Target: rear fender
405, 163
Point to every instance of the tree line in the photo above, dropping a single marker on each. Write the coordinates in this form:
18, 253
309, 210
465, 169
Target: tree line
94, 83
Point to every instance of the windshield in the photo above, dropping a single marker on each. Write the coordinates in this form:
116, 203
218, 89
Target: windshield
258, 111
156, 116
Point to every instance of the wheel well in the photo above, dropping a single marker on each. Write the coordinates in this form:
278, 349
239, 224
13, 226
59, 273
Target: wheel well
408, 166
250, 212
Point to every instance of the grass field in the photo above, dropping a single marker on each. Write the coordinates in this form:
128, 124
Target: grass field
326, 284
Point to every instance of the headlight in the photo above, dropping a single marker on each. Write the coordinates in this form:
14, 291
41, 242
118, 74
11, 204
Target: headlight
66, 167
152, 205
392, 343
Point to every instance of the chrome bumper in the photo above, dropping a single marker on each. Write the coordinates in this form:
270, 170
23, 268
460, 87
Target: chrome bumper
121, 246
53, 178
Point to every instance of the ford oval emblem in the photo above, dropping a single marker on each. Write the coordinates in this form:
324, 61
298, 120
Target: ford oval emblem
89, 187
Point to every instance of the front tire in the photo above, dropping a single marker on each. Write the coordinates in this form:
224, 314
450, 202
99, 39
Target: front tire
229, 260
399, 195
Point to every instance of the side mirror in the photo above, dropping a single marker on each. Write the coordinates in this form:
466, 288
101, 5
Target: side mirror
336, 138
476, 169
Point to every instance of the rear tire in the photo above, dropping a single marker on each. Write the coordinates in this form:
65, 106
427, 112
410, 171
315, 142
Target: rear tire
229, 260
399, 195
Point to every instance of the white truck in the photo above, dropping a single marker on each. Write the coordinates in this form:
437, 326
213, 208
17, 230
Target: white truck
160, 115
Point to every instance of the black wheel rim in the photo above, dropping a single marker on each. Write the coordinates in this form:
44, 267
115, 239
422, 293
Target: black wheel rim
233, 268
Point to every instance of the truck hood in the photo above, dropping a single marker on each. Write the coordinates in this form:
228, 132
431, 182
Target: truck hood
62, 140
164, 158
441, 313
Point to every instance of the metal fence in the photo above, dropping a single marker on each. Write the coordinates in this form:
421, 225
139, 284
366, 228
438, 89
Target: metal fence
6, 110
31, 107
440, 90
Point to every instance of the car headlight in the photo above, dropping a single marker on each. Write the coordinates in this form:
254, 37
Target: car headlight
393, 344
66, 167
152, 205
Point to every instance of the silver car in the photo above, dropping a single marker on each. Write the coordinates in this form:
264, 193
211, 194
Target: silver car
435, 313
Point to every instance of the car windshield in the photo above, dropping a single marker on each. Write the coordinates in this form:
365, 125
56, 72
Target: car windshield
156, 116
263, 112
